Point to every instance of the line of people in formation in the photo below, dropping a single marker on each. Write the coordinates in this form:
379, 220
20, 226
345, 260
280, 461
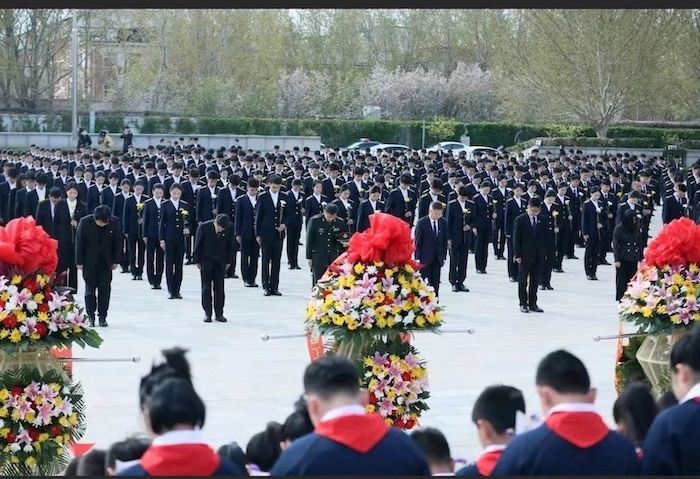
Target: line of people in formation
334, 431
160, 197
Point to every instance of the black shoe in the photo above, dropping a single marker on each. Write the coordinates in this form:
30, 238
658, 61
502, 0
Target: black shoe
513, 280
571, 256
276, 293
156, 286
536, 309
524, 309
92, 321
267, 292
253, 285
558, 270
456, 288
188, 262
542, 287
221, 319
500, 257
481, 271
178, 296
549, 288
124, 270
207, 319
604, 263
591, 278
134, 278
103, 323
139, 278
463, 288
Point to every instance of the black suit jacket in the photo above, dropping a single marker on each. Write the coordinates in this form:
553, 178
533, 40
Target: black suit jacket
296, 209
31, 202
512, 211
313, 207
244, 222
132, 215
457, 219
107, 197
205, 205
363, 213
58, 227
673, 209
268, 217
483, 212
424, 203
173, 222
226, 201
396, 205
529, 244
7, 201
429, 248
151, 219
91, 253
212, 247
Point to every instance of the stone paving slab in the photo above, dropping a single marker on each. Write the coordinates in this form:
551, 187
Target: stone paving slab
246, 382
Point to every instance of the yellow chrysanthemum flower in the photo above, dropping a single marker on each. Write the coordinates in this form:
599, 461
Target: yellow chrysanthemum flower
3, 412
379, 297
4, 333
63, 422
4, 394
43, 437
359, 268
370, 408
409, 268
337, 320
420, 321
676, 319
15, 336
43, 317
389, 273
16, 279
73, 419
39, 297
367, 362
381, 323
30, 416
42, 280
647, 311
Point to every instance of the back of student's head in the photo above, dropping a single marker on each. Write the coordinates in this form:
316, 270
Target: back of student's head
685, 363
435, 447
634, 411
331, 376
175, 365
499, 405
233, 452
264, 448
92, 464
564, 373
126, 451
72, 468
666, 400
296, 425
172, 403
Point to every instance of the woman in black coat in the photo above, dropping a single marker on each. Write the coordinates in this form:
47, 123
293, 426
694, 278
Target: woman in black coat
627, 250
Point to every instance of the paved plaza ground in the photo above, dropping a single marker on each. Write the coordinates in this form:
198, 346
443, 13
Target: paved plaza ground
246, 382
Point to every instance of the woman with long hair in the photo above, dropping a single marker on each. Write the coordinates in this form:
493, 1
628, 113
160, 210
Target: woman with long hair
627, 250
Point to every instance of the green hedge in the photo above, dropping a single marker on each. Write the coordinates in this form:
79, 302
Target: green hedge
662, 134
638, 142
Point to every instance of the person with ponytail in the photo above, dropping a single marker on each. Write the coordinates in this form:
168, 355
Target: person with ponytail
174, 415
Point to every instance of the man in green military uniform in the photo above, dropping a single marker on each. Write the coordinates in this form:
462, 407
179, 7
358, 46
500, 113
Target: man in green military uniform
326, 238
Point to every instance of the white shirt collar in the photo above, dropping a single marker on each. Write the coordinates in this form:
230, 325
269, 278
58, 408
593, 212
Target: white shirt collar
494, 447
573, 407
180, 437
352, 410
692, 394
176, 203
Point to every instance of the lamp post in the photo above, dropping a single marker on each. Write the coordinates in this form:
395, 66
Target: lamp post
74, 82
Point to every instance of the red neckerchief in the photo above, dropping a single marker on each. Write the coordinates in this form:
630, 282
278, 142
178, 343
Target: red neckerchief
487, 462
583, 429
357, 432
180, 460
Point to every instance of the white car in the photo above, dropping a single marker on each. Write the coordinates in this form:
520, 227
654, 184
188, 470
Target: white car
389, 148
448, 145
470, 150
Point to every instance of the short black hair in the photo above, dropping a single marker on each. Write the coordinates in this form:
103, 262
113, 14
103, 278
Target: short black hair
223, 220
437, 206
330, 376
130, 449
298, 423
636, 409
264, 448
175, 365
498, 405
253, 183
92, 464
175, 186
563, 372
174, 401
331, 208
103, 213
534, 202
234, 453
433, 444
275, 180
55, 192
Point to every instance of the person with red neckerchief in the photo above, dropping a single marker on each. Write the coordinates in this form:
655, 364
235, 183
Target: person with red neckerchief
574, 439
347, 441
494, 415
672, 444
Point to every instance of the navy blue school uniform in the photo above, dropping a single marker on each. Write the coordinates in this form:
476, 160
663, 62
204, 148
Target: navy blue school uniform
574, 440
672, 445
352, 445
181, 459
485, 465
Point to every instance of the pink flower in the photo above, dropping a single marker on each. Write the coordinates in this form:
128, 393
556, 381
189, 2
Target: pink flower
381, 359
386, 408
366, 283
32, 390
44, 414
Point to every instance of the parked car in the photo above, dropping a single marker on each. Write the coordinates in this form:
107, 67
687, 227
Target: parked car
361, 145
470, 150
447, 145
389, 148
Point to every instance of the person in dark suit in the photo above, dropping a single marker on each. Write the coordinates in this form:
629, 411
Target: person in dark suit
76, 211
97, 253
500, 195
459, 226
429, 197
315, 202
175, 222
190, 188
110, 191
244, 229
226, 204
155, 256
402, 201
484, 215
549, 214
28, 184
369, 207
515, 206
431, 244
94, 193
8, 193
134, 207
326, 238
295, 223
213, 252
627, 252
118, 209
529, 249
346, 207
676, 205
36, 195
270, 226
205, 203
52, 215
591, 227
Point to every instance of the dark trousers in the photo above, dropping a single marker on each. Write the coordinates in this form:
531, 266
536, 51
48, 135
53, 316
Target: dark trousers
124, 262
548, 264
459, 255
481, 249
604, 247
498, 238
250, 252
317, 271
574, 234
271, 259
155, 262
212, 275
232, 268
528, 279
590, 258
66, 263
512, 265
293, 236
562, 246
174, 253
431, 273
98, 288
623, 275
189, 241
137, 253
